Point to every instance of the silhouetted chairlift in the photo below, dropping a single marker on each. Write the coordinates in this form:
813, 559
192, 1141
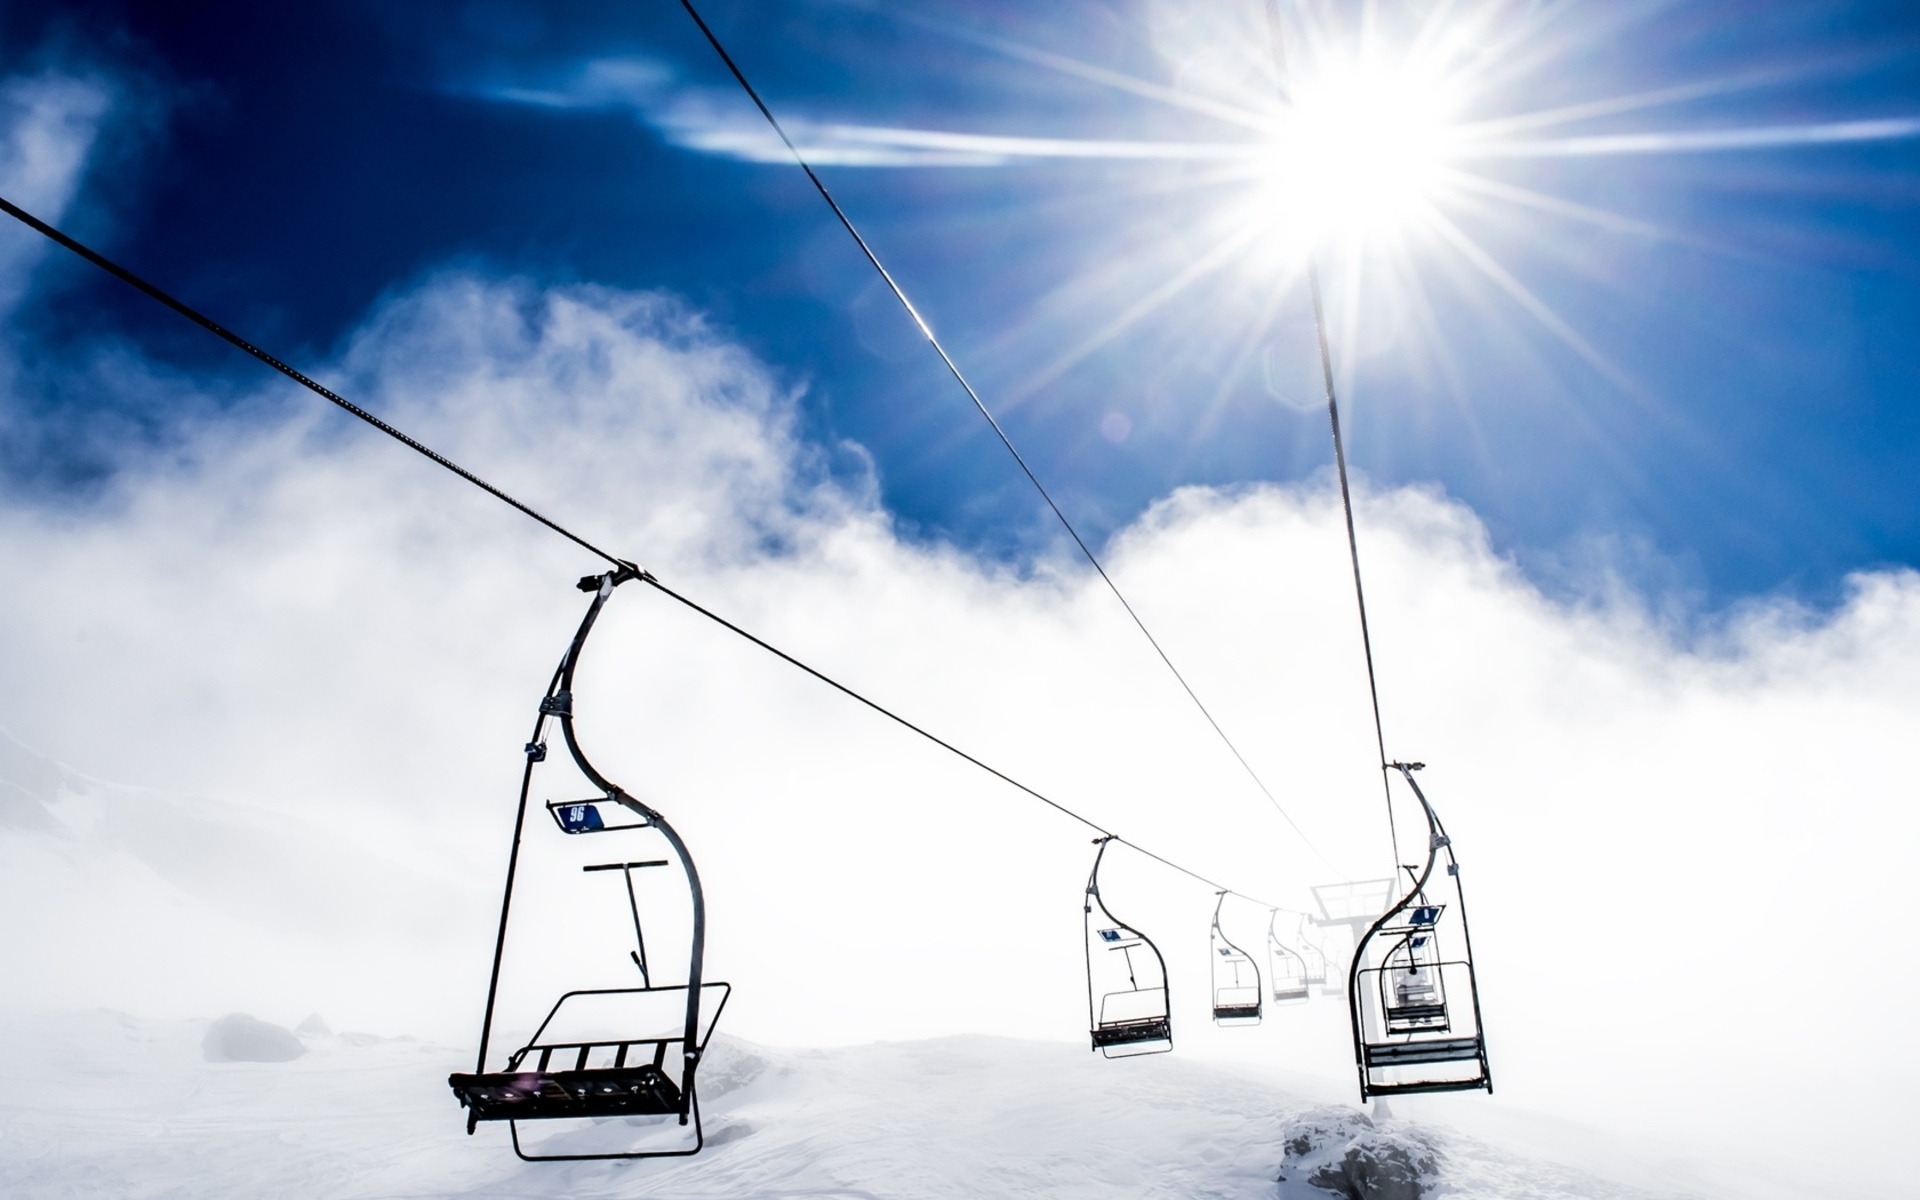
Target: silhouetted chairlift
1126, 980
1286, 967
1236, 980
1415, 1010
625, 1052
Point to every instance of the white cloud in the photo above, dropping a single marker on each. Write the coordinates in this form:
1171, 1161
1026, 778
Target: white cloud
48, 125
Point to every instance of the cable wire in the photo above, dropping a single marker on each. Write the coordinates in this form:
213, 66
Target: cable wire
895, 717
1340, 461
128, 277
226, 335
953, 368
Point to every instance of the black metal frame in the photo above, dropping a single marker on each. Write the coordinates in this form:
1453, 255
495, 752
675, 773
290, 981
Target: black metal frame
1415, 1043
514, 1095
1113, 1035
1221, 948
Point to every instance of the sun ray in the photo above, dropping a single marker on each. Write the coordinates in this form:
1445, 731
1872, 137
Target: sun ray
1257, 333
1698, 141
1466, 181
1132, 315
1535, 307
1614, 106
1254, 118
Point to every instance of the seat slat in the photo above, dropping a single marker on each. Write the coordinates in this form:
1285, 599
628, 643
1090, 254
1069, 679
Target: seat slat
1390, 1054
1157, 1029
599, 1092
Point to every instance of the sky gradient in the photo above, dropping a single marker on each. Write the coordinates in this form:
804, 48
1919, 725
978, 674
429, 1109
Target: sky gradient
1718, 403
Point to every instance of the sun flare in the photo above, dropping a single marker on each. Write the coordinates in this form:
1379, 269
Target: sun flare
1362, 150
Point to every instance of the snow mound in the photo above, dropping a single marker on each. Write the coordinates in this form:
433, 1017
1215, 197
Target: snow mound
315, 1025
238, 1037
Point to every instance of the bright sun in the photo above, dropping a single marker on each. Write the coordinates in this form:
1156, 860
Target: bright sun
1362, 151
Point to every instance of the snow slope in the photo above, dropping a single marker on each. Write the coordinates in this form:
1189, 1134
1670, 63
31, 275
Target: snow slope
100, 1103
181, 904
182, 908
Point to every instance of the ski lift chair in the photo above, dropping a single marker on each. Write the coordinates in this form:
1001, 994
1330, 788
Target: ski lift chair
1126, 981
1286, 967
1312, 955
600, 1052
1236, 980
1416, 1009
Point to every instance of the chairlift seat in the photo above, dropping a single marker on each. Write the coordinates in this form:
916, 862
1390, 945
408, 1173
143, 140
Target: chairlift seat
1128, 1033
1236, 1012
1412, 1017
642, 1090
1393, 1054
1291, 993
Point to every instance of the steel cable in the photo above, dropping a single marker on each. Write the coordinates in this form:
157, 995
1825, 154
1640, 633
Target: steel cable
1340, 463
155, 293
953, 368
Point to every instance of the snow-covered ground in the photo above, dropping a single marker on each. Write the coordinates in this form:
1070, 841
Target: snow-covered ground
103, 1104
176, 909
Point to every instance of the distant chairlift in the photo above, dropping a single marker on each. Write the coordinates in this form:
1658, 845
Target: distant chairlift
1311, 953
620, 1052
1236, 980
1287, 969
1126, 980
1353, 906
1411, 988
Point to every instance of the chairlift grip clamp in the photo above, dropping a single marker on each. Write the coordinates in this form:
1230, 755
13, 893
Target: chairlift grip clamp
560, 704
620, 574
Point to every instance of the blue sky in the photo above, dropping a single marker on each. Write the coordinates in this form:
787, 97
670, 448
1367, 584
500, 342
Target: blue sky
1696, 373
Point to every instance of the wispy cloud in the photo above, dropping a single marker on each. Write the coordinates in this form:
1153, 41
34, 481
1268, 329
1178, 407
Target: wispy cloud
724, 124
49, 123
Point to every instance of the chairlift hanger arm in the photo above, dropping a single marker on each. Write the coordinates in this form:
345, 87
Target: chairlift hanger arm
602, 587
